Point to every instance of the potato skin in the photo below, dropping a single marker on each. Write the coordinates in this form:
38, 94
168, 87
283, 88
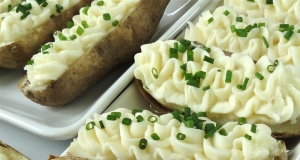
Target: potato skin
117, 47
16, 55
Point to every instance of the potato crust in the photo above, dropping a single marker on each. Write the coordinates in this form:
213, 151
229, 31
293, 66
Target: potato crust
16, 54
117, 47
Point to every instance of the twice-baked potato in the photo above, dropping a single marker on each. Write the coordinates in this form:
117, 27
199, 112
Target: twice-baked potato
176, 74
7, 5
102, 37
139, 134
10, 153
23, 32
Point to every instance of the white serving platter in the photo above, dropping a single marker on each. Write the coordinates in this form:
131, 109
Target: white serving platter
63, 122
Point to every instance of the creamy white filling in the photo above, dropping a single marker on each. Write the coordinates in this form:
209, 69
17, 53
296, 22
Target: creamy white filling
218, 33
272, 100
12, 27
280, 11
62, 54
5, 3
119, 141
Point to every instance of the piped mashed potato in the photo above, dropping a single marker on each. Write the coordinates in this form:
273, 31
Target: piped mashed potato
6, 4
165, 137
87, 28
281, 11
227, 29
27, 15
225, 87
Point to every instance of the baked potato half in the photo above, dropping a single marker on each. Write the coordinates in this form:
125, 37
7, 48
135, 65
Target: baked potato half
8, 152
225, 87
15, 52
113, 47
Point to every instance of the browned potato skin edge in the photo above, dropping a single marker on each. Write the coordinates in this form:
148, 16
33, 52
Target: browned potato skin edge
119, 46
16, 55
14, 151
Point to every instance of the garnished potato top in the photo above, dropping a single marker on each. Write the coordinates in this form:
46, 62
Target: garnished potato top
6, 5
256, 37
281, 11
87, 28
29, 14
205, 79
135, 134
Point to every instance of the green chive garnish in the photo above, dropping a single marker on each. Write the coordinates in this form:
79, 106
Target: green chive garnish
247, 136
111, 117
202, 114
253, 128
143, 143
100, 3
126, 121
226, 13
242, 121
79, 31
90, 125
288, 34
73, 37
265, 41
241, 32
180, 136
85, 24
271, 68
62, 37
152, 119
208, 59
228, 76
232, 28
223, 132
210, 20
101, 124
206, 88
70, 24
155, 136
116, 114
245, 83
190, 55
259, 76
239, 19
85, 9
106, 16
134, 111
275, 63
173, 53
30, 62
139, 118
269, 2
212, 131
115, 23
154, 72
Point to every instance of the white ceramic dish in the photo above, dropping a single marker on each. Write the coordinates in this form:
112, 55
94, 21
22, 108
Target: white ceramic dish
131, 98
64, 122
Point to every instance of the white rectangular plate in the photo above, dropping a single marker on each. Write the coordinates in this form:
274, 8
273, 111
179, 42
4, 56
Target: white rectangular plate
64, 122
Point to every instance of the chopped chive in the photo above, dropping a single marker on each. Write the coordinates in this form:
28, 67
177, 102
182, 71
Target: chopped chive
85, 24
70, 24
27, 13
115, 23
232, 28
271, 68
239, 19
134, 111
208, 50
208, 59
245, 83
126, 121
116, 114
288, 34
190, 55
189, 123
226, 13
90, 125
242, 121
223, 132
143, 143
73, 37
259, 76
152, 119
62, 37
181, 48
173, 53
200, 74
219, 70
176, 115
100, 3
85, 9
275, 63
249, 28
212, 131
111, 117
269, 2
201, 114
253, 128
79, 31
154, 72
101, 124
176, 45
261, 24
241, 32
188, 76
239, 86
155, 136
193, 82
59, 8
206, 88
210, 20
298, 31
228, 76
187, 111
265, 41
139, 118
247, 136
180, 136
30, 62
45, 4
208, 127
52, 15
9, 8
106, 16
250, 0
283, 27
